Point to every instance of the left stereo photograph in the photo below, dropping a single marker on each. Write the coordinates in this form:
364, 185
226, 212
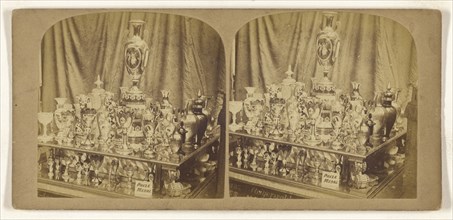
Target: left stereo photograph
131, 106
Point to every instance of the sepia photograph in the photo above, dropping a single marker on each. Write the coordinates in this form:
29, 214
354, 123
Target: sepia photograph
226, 109
129, 107
323, 105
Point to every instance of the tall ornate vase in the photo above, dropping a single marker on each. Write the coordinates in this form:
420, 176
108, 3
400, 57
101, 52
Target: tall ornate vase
135, 53
191, 123
378, 114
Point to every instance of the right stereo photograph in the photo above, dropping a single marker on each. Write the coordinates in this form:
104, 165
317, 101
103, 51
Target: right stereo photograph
323, 105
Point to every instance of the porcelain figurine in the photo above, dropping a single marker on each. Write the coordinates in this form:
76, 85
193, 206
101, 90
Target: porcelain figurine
129, 170
239, 157
166, 106
254, 153
370, 124
246, 158
316, 175
96, 163
313, 111
266, 158
79, 169
86, 170
50, 165
57, 169
274, 157
65, 176
113, 169
355, 92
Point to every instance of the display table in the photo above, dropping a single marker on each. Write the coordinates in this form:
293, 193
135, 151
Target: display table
164, 170
244, 182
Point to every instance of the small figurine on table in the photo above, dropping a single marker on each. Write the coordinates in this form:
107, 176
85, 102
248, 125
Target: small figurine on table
79, 169
370, 124
50, 163
266, 164
57, 169
239, 157
65, 176
86, 169
254, 152
182, 132
274, 157
246, 158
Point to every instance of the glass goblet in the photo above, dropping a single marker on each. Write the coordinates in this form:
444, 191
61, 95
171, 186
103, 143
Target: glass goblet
235, 107
45, 118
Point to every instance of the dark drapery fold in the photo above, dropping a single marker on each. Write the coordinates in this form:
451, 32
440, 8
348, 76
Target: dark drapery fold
185, 55
374, 51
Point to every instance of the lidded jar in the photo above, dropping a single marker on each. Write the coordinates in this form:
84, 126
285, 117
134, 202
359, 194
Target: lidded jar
197, 109
390, 111
191, 123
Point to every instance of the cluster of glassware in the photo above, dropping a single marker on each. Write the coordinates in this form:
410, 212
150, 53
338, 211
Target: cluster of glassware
323, 118
326, 118
86, 169
142, 128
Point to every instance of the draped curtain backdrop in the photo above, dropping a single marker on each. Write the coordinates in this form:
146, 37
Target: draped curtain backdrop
186, 55
374, 51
